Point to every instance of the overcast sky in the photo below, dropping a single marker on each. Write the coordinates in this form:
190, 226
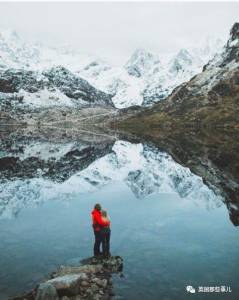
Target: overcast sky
113, 30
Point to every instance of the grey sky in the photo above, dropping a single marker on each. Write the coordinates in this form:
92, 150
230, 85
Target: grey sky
113, 30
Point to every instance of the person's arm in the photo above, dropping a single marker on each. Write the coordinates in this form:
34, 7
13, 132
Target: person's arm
101, 222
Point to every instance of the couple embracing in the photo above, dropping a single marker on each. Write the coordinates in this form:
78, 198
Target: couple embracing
101, 227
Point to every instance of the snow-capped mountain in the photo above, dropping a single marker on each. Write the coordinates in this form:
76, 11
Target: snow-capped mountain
141, 63
182, 61
143, 169
144, 79
20, 88
125, 89
15, 52
33, 76
208, 99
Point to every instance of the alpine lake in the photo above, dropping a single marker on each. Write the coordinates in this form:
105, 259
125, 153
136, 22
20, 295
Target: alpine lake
173, 205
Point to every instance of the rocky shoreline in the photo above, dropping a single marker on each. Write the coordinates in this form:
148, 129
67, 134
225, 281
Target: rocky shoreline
89, 281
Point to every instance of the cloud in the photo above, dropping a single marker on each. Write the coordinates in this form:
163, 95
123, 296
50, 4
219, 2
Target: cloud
113, 30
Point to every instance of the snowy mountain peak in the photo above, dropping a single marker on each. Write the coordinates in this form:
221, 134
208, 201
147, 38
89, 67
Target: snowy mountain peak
144, 80
229, 53
182, 60
141, 62
184, 55
15, 52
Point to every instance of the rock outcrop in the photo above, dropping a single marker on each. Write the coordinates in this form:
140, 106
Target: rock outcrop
90, 281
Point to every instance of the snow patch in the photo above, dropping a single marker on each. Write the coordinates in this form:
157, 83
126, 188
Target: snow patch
45, 98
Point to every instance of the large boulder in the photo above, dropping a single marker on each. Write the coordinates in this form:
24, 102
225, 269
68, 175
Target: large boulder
46, 291
68, 284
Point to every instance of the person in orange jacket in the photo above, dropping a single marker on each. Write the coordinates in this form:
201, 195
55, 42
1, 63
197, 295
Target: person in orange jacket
97, 224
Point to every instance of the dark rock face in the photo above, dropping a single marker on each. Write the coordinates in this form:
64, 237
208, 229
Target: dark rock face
12, 81
222, 89
232, 48
233, 209
56, 170
235, 31
76, 87
7, 163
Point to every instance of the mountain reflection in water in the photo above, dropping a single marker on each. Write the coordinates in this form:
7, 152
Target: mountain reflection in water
33, 172
168, 199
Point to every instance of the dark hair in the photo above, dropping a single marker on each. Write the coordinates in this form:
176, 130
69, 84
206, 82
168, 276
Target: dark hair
98, 207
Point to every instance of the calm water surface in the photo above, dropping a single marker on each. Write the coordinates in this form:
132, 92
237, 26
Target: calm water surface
172, 231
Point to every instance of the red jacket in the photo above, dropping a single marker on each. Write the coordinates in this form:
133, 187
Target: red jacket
97, 221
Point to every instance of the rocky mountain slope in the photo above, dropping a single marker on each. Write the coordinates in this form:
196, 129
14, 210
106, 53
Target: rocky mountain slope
23, 90
33, 77
209, 99
147, 78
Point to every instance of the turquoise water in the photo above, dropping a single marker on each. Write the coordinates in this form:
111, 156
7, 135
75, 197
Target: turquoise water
167, 243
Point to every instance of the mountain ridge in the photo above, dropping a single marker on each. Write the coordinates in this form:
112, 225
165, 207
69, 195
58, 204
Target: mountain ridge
143, 80
210, 98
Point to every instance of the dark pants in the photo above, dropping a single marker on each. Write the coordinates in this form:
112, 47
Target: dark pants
98, 241
105, 235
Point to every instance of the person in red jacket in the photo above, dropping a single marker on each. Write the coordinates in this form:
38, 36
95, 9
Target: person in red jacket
97, 224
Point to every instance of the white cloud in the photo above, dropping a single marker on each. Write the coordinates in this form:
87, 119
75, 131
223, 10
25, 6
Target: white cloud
113, 30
